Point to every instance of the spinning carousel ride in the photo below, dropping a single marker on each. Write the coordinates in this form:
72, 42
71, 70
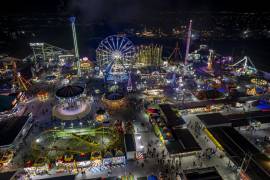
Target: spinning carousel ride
101, 116
72, 103
86, 64
114, 99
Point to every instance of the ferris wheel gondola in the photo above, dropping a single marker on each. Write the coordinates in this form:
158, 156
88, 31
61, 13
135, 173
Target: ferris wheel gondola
115, 56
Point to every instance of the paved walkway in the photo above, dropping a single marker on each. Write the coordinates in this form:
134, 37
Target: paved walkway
221, 164
257, 137
151, 165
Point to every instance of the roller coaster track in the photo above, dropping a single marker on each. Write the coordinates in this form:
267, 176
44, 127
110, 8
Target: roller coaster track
81, 139
76, 136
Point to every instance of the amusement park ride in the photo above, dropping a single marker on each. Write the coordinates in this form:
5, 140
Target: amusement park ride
22, 83
175, 56
72, 20
185, 66
245, 66
18, 81
129, 84
188, 42
45, 54
74, 129
210, 61
149, 55
115, 56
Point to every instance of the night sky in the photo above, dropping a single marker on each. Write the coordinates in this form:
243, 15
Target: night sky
127, 8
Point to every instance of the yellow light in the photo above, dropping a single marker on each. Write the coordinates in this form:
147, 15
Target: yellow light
213, 139
259, 82
100, 118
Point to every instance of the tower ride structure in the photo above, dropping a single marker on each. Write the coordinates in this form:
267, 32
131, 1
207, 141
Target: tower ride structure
188, 42
77, 57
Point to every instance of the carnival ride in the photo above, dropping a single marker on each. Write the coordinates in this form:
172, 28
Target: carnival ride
259, 82
18, 81
46, 54
42, 96
209, 94
54, 143
86, 64
245, 67
114, 101
210, 61
175, 57
188, 42
150, 55
21, 82
115, 56
76, 49
257, 87
129, 84
6, 157
101, 116
71, 105
51, 78
255, 91
199, 55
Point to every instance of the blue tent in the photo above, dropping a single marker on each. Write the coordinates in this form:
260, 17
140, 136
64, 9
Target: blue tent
152, 177
222, 90
259, 90
263, 105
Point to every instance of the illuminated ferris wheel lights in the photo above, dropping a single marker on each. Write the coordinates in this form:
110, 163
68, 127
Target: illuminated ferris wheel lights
115, 48
116, 55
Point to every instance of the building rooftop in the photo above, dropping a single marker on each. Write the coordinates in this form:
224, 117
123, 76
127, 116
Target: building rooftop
7, 175
186, 140
202, 174
200, 104
173, 147
6, 102
171, 118
213, 119
10, 128
106, 178
237, 147
262, 116
130, 142
67, 177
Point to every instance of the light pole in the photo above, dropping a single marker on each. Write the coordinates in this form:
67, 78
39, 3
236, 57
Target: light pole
243, 162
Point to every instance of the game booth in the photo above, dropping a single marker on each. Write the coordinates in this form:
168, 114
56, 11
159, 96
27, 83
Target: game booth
88, 161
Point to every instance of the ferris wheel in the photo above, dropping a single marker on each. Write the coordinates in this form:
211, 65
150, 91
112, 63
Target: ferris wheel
115, 49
